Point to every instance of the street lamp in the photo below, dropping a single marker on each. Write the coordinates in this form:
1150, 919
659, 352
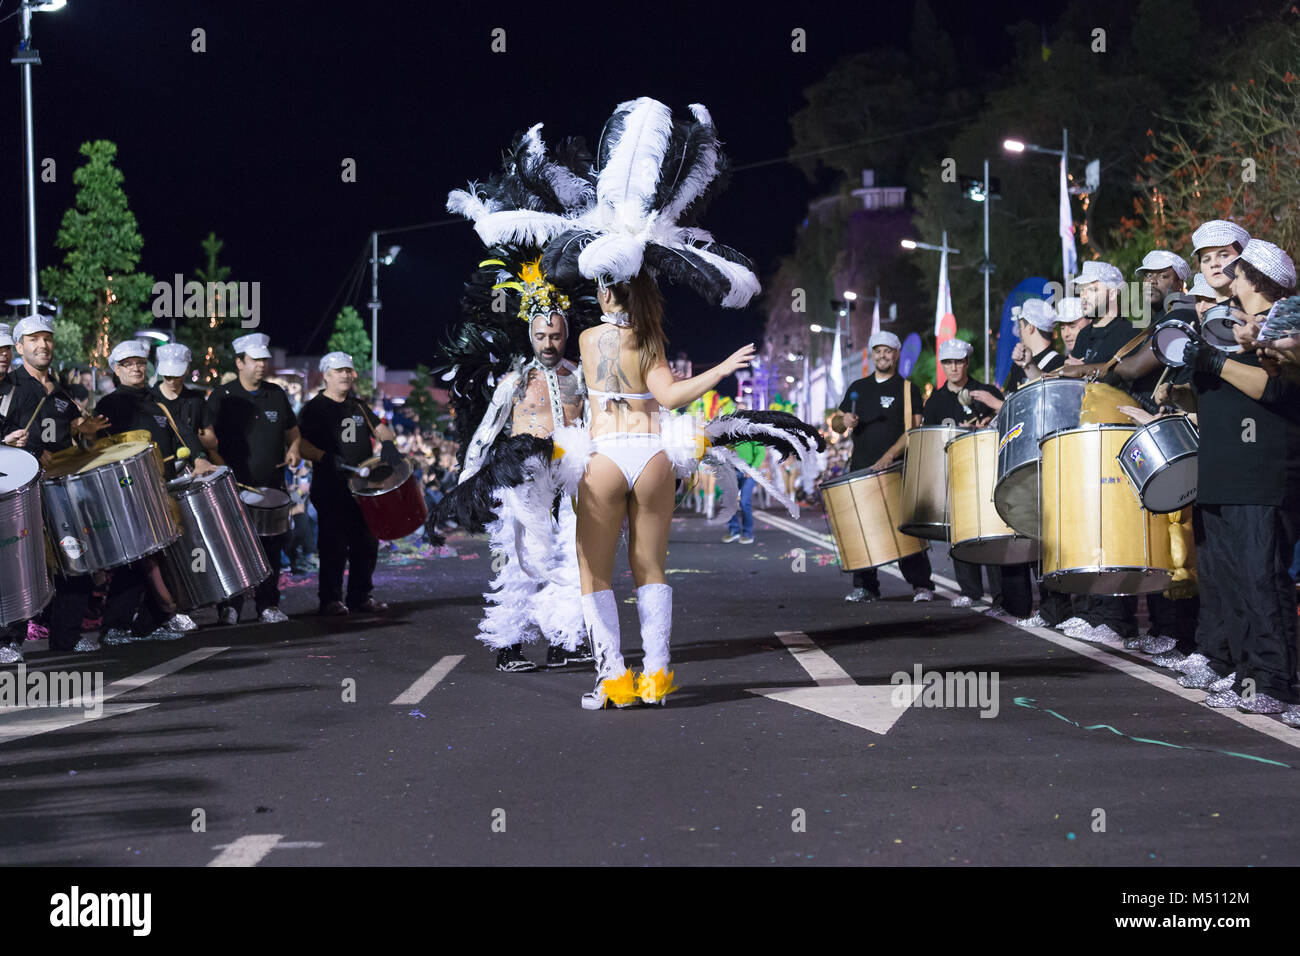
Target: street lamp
25, 57
985, 191
375, 304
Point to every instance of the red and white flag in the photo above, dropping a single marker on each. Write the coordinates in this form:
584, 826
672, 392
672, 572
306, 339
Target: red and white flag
945, 323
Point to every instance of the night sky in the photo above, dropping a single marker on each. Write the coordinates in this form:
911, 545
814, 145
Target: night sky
247, 138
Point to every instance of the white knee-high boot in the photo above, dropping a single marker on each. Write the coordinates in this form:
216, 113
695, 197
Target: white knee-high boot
614, 682
654, 606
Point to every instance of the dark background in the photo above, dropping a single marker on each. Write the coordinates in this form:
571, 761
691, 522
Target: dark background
247, 138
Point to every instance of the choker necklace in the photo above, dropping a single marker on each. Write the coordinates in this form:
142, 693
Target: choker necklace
621, 319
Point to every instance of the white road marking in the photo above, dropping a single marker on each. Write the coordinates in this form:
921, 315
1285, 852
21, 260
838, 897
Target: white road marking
252, 849
428, 680
30, 721
837, 695
1264, 725
19, 722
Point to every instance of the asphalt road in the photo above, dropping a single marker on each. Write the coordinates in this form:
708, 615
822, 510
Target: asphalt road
242, 748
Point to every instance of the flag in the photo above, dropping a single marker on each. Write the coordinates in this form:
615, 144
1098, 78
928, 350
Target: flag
1069, 258
945, 323
868, 364
837, 365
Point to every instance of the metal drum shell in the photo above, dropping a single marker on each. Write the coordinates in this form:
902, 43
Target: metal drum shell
978, 533
109, 515
1097, 537
269, 522
213, 520
394, 507
25, 582
1160, 462
862, 510
1027, 416
924, 503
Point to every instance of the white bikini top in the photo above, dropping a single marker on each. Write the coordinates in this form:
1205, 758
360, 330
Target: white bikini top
622, 321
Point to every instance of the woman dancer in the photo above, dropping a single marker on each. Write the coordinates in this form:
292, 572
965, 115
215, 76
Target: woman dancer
630, 477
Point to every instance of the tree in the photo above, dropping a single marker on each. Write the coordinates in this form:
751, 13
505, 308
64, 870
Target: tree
350, 336
427, 411
210, 337
102, 298
1234, 154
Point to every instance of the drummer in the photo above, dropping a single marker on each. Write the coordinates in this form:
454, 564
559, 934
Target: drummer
335, 432
1099, 286
1034, 355
257, 437
1073, 321
58, 419
966, 403
140, 606
872, 412
187, 406
13, 418
1248, 499
1214, 245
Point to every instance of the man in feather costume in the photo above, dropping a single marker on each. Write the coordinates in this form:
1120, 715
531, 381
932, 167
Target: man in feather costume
534, 591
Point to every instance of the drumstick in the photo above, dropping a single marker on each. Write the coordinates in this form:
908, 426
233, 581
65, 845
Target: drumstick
35, 413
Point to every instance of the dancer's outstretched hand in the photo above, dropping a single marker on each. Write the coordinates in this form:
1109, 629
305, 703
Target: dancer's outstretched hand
739, 359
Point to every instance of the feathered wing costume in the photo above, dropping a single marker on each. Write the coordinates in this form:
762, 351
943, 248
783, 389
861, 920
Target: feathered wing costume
535, 586
635, 208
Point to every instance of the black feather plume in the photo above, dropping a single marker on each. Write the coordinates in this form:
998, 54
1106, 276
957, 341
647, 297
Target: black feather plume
473, 504
738, 426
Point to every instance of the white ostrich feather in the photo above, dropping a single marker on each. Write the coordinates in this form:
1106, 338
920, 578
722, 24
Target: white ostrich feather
522, 226
632, 170
466, 204
615, 255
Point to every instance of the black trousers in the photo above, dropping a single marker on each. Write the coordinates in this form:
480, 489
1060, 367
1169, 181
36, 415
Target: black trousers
266, 594
915, 568
342, 538
1248, 600
1176, 619
132, 604
1009, 585
1117, 613
1054, 606
71, 598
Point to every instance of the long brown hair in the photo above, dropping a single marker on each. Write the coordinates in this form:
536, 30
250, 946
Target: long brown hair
644, 303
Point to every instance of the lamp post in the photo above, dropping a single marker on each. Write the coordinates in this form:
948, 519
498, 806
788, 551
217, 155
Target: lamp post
374, 303
1092, 175
984, 191
25, 58
942, 247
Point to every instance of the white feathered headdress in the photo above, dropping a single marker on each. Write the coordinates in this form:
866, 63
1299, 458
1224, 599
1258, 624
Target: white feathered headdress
634, 209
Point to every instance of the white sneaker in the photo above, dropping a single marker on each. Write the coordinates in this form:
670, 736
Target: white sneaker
1170, 660
11, 654
730, 538
960, 600
87, 644
273, 615
746, 540
180, 623
228, 615
922, 594
1035, 621
1100, 634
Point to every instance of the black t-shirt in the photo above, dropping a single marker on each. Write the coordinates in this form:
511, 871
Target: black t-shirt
16, 406
250, 428
336, 428
52, 430
190, 412
130, 409
1100, 343
1146, 385
945, 408
1250, 451
1047, 360
879, 407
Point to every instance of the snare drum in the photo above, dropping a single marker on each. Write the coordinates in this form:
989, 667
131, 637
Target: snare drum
1170, 339
109, 510
1028, 414
978, 533
925, 482
1160, 462
268, 510
862, 509
218, 555
390, 499
1097, 537
25, 582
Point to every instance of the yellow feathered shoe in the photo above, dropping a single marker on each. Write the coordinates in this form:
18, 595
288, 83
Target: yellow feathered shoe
653, 688
621, 690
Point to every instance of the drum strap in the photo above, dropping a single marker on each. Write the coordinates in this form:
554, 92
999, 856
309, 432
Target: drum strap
907, 404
